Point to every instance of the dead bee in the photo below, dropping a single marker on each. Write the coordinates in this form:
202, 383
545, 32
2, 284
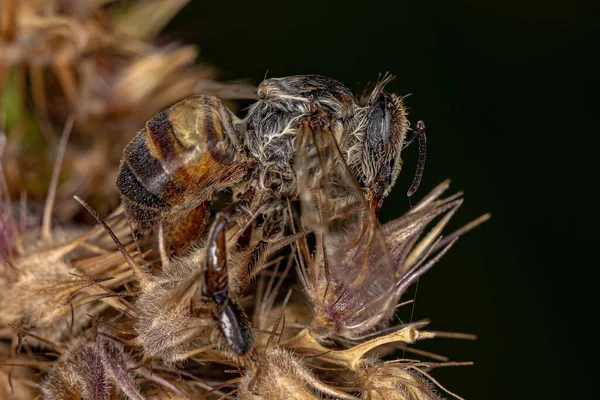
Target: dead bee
199, 147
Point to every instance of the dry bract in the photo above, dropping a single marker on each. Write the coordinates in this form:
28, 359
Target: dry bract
344, 311
15, 382
94, 367
383, 381
281, 375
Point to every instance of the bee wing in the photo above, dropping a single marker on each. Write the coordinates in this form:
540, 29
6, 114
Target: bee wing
358, 267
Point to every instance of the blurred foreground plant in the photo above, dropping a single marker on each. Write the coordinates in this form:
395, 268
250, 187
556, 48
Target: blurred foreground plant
101, 62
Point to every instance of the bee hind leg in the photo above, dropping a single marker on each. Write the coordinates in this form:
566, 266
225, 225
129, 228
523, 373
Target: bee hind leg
230, 317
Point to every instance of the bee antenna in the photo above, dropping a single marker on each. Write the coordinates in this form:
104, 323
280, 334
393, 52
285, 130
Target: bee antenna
420, 129
138, 272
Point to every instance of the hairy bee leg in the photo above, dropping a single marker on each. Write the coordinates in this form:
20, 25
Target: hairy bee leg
243, 242
272, 230
165, 261
238, 206
181, 235
235, 327
230, 317
216, 279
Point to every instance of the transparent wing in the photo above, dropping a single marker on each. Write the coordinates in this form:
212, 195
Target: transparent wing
358, 268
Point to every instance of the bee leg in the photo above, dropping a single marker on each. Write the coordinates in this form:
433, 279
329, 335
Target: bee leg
239, 206
182, 234
272, 230
216, 279
230, 317
243, 241
235, 327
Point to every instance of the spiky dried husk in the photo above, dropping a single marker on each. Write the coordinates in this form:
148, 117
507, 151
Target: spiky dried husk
94, 367
381, 381
38, 295
172, 320
40, 301
278, 375
47, 294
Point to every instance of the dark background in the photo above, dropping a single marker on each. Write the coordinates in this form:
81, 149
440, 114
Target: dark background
505, 89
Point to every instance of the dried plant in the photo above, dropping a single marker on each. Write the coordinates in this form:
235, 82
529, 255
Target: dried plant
57, 303
242, 309
101, 62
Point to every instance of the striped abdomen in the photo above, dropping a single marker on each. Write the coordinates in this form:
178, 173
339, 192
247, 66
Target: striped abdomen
178, 160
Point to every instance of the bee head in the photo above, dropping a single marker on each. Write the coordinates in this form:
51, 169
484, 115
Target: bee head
382, 134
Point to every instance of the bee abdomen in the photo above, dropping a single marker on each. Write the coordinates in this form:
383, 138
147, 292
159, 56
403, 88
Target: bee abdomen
147, 187
182, 156
142, 182
130, 186
140, 204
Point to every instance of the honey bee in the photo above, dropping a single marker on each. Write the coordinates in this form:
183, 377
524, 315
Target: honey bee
306, 138
198, 147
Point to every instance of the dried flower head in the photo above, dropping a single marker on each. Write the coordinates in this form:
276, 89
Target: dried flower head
279, 374
394, 381
94, 367
357, 311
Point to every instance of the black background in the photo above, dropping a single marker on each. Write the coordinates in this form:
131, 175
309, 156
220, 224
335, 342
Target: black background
505, 89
